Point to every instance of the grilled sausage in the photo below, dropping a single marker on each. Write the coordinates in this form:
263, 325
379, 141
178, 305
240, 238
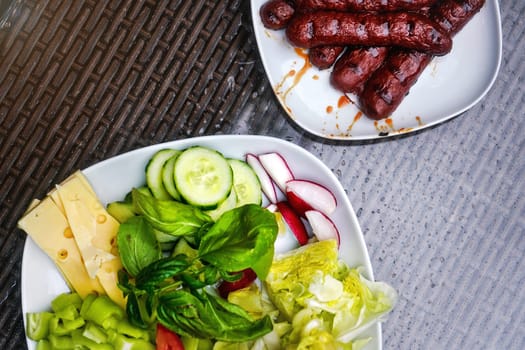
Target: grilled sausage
362, 5
355, 66
324, 57
452, 15
388, 86
275, 14
404, 29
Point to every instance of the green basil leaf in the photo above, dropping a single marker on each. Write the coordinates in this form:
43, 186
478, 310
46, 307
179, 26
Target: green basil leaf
153, 275
202, 315
241, 238
137, 244
168, 216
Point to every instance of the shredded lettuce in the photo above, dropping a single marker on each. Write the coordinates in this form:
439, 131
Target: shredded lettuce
328, 303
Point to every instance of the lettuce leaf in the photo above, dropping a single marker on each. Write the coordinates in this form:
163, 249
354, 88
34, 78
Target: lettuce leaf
324, 298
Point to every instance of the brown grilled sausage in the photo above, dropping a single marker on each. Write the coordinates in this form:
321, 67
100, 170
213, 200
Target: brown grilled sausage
452, 15
355, 66
324, 57
275, 14
404, 29
388, 86
362, 5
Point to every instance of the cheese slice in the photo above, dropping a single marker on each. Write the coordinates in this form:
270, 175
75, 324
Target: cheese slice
95, 232
93, 228
107, 275
50, 230
79, 176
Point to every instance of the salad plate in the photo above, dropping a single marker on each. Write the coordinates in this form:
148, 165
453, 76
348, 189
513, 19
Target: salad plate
449, 86
113, 178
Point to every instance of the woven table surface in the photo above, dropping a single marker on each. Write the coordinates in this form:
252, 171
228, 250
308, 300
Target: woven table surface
442, 210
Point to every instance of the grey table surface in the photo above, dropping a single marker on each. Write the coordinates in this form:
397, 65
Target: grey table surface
442, 210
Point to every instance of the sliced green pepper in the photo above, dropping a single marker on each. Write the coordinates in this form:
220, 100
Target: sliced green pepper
43, 344
66, 300
121, 342
58, 326
81, 341
126, 328
103, 311
61, 342
95, 333
38, 324
68, 312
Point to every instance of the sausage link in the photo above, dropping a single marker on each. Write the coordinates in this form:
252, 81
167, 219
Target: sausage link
452, 15
275, 14
355, 66
388, 86
324, 57
362, 5
404, 29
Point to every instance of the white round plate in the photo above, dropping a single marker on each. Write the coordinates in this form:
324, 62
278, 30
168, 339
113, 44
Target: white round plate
113, 178
450, 85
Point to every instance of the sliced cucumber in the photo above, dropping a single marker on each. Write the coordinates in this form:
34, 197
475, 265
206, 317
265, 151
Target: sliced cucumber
154, 173
166, 241
183, 247
167, 176
203, 177
120, 210
245, 183
229, 203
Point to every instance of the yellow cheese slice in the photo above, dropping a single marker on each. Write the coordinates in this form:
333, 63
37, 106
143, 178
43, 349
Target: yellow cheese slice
50, 230
95, 232
108, 277
78, 175
93, 228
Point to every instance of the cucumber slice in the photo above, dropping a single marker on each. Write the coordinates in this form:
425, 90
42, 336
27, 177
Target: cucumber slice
167, 176
245, 183
203, 177
154, 173
120, 210
227, 204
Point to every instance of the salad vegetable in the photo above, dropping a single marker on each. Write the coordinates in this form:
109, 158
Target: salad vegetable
95, 322
322, 297
173, 290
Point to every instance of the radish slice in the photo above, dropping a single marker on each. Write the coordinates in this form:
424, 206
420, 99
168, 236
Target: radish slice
294, 222
276, 166
266, 182
247, 277
322, 227
306, 195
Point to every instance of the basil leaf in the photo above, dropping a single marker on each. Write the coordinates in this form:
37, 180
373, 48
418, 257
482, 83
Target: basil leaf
200, 314
137, 244
168, 216
241, 238
158, 271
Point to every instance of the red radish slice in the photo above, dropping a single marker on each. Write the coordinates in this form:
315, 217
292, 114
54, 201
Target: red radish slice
248, 276
276, 166
266, 182
294, 222
306, 195
297, 203
322, 226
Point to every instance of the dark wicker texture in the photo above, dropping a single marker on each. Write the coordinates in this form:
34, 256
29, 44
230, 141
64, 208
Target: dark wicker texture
81, 81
